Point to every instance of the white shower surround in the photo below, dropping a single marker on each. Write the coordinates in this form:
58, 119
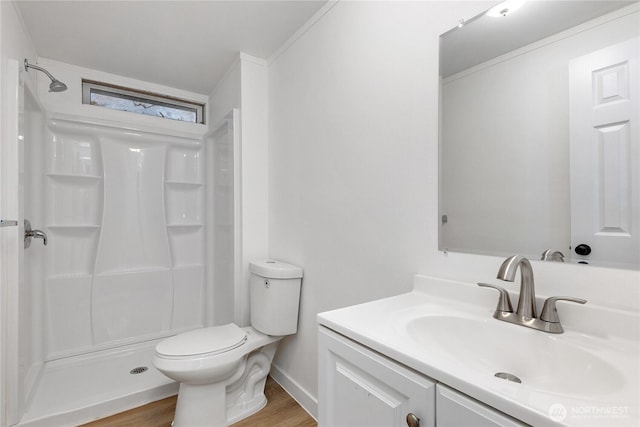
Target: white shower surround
117, 275
124, 211
123, 207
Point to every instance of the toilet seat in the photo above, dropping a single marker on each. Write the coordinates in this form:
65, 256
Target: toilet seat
202, 342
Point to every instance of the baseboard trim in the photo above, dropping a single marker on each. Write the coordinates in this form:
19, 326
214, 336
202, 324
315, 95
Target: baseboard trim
305, 399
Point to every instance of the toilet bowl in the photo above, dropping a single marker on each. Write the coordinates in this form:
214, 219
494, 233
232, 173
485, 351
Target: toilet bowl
211, 361
222, 370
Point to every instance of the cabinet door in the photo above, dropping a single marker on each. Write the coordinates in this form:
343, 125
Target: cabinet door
361, 388
455, 409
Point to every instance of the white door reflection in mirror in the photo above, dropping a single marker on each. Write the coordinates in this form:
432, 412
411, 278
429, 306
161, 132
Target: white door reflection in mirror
605, 154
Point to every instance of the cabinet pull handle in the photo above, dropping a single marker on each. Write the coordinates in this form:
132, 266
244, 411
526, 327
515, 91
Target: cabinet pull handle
412, 420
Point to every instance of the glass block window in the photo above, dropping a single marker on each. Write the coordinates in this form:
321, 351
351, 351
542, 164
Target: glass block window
136, 101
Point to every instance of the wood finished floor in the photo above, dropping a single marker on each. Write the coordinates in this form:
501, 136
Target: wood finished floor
281, 411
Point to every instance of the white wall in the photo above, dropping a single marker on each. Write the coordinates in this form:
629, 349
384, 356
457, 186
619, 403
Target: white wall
353, 176
254, 161
222, 100
353, 108
16, 43
244, 86
226, 95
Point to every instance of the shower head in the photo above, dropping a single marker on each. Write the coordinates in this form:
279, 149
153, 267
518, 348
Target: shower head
55, 86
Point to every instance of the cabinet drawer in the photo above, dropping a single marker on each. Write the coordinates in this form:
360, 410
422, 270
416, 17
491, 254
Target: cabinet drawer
359, 387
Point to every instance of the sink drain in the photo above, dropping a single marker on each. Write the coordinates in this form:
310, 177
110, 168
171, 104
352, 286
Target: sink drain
138, 370
508, 377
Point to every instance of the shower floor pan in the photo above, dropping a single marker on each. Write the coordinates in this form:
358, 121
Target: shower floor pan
84, 388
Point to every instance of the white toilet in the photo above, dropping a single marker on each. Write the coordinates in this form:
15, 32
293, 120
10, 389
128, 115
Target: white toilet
222, 370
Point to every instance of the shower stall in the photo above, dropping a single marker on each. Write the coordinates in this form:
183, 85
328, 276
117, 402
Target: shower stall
134, 217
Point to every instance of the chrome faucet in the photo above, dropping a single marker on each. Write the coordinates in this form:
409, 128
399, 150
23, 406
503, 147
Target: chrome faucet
507, 272
526, 313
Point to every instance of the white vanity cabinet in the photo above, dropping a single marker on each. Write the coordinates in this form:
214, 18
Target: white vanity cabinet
358, 387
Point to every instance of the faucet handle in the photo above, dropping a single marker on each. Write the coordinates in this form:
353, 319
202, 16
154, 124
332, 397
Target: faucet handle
504, 302
551, 255
549, 310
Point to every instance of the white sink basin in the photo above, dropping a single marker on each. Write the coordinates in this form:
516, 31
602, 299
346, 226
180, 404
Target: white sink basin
444, 330
542, 361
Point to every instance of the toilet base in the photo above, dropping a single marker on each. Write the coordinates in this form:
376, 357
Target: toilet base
192, 412
226, 402
256, 405
246, 396
201, 405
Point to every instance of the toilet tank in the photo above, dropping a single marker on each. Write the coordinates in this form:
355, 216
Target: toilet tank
275, 297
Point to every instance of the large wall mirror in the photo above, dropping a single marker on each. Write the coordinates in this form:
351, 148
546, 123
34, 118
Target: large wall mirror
539, 133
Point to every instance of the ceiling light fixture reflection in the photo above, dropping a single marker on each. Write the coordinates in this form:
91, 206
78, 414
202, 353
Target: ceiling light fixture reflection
505, 8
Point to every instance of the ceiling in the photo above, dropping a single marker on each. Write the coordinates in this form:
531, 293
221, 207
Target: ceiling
184, 44
484, 37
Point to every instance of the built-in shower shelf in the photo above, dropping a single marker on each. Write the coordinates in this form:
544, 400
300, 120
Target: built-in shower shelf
183, 184
189, 265
69, 276
71, 226
190, 145
74, 177
185, 225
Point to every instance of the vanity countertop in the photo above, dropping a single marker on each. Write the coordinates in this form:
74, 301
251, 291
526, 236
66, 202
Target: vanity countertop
589, 375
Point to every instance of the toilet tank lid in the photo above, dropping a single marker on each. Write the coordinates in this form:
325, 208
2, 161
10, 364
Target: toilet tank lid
272, 269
